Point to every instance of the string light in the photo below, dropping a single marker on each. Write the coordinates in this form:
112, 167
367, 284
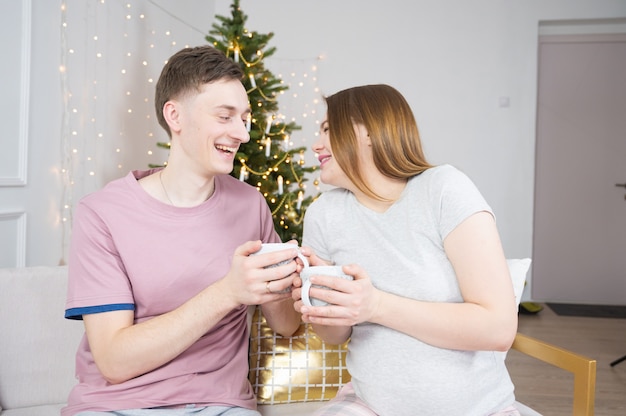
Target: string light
303, 105
111, 55
99, 143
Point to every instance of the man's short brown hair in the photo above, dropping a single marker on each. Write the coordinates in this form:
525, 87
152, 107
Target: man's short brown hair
187, 71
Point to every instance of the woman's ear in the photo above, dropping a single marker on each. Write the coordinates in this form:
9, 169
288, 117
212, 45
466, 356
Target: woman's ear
363, 134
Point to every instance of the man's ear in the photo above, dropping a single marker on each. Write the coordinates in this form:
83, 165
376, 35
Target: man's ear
171, 114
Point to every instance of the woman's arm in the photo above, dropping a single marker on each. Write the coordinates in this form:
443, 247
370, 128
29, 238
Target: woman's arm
486, 320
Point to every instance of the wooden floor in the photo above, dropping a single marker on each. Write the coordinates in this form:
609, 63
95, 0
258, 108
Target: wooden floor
548, 389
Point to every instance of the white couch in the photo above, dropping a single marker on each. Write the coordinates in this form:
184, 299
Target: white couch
37, 346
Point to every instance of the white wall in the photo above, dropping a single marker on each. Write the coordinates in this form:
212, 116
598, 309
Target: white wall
35, 224
35, 239
454, 61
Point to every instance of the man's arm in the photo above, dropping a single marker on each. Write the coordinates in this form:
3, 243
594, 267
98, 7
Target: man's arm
281, 316
123, 350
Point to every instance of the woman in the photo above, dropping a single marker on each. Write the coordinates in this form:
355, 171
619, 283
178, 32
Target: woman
431, 304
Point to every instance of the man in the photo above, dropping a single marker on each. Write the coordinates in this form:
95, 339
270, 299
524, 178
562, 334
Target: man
159, 267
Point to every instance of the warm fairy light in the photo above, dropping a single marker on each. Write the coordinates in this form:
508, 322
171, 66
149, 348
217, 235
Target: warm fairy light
100, 39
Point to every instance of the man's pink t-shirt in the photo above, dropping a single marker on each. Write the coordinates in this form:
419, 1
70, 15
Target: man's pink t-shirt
133, 252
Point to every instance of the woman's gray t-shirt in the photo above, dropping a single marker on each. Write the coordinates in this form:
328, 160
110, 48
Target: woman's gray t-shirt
402, 251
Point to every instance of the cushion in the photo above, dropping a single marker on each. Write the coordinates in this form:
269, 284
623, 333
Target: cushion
290, 409
518, 268
41, 410
37, 345
294, 369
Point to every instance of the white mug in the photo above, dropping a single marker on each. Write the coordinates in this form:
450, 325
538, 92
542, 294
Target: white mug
272, 247
306, 274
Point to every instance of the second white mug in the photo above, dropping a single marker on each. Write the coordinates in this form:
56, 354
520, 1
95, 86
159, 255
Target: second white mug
306, 274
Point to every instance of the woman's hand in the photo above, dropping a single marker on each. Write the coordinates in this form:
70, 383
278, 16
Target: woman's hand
350, 301
313, 260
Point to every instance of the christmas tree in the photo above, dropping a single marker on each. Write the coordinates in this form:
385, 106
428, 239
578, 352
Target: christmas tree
267, 161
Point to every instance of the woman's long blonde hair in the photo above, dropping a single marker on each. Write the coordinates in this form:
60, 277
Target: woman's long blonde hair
390, 123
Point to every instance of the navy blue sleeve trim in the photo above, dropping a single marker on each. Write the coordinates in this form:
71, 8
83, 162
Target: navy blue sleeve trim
77, 313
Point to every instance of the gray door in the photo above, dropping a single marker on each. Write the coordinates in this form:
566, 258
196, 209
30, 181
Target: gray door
579, 237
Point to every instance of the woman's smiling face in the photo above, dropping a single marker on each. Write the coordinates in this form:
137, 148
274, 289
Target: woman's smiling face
330, 171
